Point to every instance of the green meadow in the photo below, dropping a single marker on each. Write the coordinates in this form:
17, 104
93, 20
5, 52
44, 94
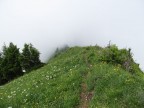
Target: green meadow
79, 77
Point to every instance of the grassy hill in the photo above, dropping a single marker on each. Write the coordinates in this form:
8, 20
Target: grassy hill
76, 78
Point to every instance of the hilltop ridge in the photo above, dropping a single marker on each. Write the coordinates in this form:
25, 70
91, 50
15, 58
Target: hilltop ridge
80, 77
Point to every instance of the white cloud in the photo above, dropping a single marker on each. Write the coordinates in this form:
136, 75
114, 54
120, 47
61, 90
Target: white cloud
51, 23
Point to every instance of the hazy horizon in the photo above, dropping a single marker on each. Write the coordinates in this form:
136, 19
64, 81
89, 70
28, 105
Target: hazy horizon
49, 24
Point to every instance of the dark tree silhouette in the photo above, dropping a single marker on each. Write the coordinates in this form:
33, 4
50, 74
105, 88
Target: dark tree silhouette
30, 57
10, 63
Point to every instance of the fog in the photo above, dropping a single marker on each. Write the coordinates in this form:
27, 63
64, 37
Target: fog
49, 24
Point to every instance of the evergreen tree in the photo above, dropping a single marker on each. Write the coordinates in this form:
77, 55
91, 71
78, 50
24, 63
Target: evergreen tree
30, 57
10, 63
0, 68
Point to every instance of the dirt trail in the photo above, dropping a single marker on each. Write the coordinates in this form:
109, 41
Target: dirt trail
85, 95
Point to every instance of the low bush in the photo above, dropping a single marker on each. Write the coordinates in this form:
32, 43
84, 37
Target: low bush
122, 57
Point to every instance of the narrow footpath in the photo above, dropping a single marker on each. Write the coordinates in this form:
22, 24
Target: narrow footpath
85, 95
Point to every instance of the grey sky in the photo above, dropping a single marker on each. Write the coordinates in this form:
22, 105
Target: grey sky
51, 23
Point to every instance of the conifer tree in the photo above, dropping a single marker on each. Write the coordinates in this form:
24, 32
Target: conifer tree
10, 63
30, 57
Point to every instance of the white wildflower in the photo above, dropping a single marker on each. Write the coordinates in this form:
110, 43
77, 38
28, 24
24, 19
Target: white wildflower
9, 96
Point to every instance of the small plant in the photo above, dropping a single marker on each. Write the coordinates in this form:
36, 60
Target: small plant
91, 57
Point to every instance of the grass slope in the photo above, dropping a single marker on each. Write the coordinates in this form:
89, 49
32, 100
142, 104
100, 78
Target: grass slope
75, 79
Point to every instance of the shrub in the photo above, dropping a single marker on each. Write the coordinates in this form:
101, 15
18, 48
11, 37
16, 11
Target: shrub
122, 57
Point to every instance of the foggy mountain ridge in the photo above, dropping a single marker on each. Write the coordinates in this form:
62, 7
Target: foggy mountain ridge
49, 24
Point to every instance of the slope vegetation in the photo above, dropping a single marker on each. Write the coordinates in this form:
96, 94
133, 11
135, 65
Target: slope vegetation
76, 78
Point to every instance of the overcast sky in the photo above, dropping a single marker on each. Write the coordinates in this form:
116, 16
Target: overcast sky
48, 24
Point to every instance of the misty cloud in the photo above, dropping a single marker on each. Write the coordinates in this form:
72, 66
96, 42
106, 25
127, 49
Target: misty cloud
52, 23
